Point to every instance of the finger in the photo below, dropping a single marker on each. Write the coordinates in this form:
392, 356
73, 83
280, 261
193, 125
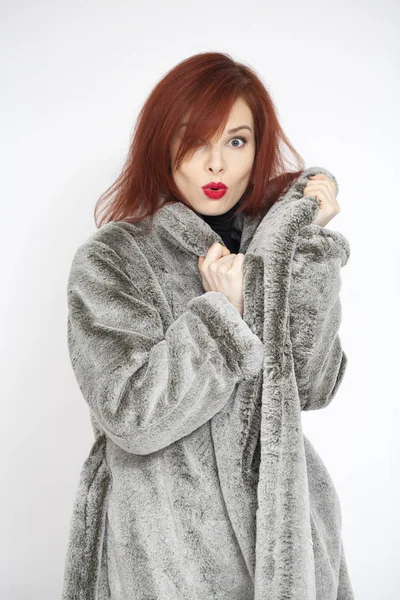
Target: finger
320, 176
320, 184
316, 193
326, 184
322, 193
222, 264
218, 248
237, 263
215, 251
326, 193
224, 259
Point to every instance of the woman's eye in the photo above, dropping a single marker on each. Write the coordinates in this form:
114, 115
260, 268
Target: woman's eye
201, 143
239, 138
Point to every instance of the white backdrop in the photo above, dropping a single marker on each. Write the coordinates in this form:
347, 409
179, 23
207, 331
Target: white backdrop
74, 77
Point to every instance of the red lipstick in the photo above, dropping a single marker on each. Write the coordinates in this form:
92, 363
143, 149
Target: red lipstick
215, 191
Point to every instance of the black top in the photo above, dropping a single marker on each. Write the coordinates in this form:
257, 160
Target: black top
222, 225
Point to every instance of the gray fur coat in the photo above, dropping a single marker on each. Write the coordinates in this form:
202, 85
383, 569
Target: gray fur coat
200, 483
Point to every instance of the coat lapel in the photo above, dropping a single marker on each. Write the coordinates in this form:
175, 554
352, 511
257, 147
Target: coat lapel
284, 553
183, 226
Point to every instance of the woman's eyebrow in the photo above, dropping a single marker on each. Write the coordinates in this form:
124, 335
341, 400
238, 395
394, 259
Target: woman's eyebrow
230, 130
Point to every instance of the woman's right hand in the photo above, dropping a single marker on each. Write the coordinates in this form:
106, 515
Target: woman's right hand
221, 271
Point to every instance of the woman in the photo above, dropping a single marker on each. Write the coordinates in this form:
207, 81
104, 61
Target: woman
200, 324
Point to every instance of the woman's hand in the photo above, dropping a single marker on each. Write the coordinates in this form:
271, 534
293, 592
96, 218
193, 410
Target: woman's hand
221, 271
323, 188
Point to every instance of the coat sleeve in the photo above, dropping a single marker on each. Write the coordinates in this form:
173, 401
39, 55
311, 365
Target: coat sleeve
315, 314
147, 384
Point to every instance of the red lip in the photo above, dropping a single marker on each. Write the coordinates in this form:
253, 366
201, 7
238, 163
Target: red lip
214, 194
212, 184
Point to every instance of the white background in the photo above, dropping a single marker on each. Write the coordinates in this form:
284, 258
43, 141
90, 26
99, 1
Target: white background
74, 77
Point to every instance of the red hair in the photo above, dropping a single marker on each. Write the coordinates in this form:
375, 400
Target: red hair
205, 85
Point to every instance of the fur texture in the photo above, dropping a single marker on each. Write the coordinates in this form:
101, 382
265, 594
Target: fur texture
200, 483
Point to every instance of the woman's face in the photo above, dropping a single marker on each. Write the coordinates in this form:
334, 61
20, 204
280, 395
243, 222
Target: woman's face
227, 160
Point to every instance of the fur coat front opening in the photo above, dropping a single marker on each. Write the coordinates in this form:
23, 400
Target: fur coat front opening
200, 483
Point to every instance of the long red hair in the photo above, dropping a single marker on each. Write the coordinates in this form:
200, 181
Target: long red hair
206, 86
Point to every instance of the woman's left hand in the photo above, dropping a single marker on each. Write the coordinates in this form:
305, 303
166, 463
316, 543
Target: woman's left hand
324, 189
